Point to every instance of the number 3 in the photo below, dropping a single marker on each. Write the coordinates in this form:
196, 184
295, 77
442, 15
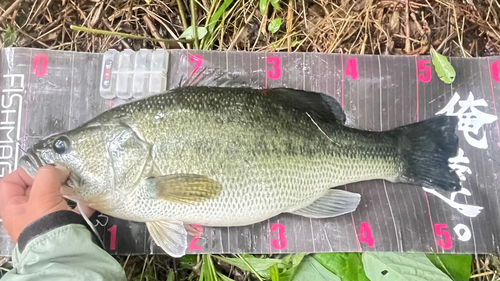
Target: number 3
274, 74
280, 243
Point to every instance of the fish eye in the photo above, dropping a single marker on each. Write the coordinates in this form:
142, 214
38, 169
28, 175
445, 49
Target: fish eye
61, 145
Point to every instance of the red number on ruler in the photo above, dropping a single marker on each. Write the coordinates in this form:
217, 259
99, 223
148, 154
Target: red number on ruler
193, 246
495, 70
280, 243
447, 243
199, 61
112, 238
40, 63
274, 74
422, 66
365, 234
352, 68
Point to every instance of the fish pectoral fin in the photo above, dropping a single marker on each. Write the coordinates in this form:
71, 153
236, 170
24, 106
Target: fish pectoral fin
334, 203
185, 188
171, 236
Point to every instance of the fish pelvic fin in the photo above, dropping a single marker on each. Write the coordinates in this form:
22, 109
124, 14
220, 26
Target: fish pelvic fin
334, 203
171, 236
425, 149
185, 188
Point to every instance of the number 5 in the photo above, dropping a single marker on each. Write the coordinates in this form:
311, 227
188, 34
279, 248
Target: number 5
447, 243
422, 66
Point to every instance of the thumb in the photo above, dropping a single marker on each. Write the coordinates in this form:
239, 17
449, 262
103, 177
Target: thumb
48, 182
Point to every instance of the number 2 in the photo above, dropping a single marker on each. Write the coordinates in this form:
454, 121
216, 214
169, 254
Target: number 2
40, 63
352, 68
495, 70
193, 246
199, 61
422, 66
365, 234
280, 243
447, 243
112, 238
274, 74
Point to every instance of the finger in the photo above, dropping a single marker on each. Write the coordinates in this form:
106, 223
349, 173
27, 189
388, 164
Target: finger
48, 182
14, 185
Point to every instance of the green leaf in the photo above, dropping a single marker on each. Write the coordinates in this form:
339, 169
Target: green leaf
223, 277
310, 269
261, 266
207, 272
9, 37
295, 260
274, 272
215, 18
263, 6
188, 261
275, 25
444, 69
276, 4
457, 267
189, 34
401, 267
348, 266
171, 276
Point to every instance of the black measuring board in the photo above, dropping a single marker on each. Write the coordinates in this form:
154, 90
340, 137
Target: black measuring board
45, 92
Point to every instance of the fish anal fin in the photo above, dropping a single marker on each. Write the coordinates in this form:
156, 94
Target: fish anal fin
171, 236
335, 202
185, 188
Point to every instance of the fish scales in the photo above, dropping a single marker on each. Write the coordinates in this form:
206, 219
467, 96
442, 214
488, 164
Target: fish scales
226, 156
269, 159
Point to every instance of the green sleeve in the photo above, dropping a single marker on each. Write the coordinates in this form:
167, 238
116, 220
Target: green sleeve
60, 247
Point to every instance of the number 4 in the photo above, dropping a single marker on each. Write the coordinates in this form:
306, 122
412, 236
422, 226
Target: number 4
365, 234
352, 68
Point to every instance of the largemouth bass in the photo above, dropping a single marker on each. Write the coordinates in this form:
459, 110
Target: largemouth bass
225, 156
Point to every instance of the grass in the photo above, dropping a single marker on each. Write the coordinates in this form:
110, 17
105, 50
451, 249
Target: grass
389, 27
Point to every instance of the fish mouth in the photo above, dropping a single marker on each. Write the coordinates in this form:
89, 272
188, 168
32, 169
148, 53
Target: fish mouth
30, 162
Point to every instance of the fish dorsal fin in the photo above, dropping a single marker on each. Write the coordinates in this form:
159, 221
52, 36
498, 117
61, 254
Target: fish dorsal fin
318, 105
185, 188
210, 77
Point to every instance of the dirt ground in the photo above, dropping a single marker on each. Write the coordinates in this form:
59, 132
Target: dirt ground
468, 28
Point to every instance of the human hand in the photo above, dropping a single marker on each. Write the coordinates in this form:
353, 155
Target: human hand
23, 199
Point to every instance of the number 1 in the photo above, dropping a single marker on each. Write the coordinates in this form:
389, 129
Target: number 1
112, 238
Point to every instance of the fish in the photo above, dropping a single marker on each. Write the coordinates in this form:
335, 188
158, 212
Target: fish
224, 156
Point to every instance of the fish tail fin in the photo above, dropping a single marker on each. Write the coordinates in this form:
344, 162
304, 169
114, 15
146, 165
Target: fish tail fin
425, 149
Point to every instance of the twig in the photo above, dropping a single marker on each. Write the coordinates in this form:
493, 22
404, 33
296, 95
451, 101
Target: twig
193, 24
183, 16
153, 30
112, 33
10, 9
289, 22
247, 20
407, 43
